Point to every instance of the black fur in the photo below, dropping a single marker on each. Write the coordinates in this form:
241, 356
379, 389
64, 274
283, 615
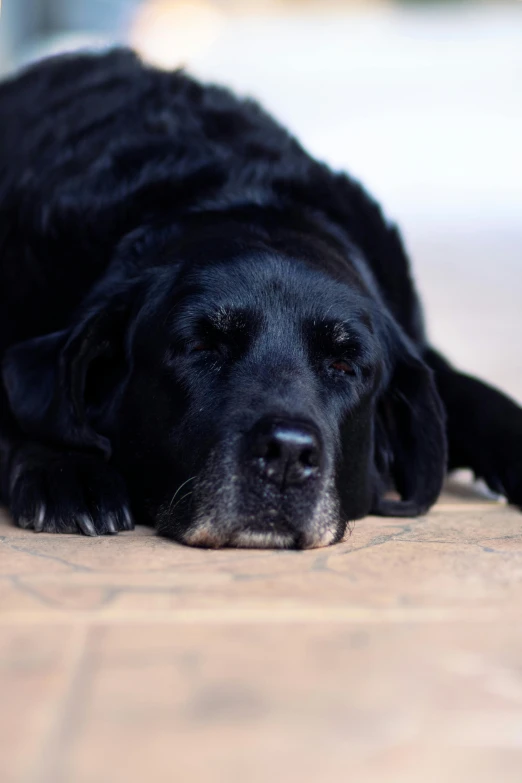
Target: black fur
203, 328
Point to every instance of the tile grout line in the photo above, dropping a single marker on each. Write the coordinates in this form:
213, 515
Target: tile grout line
72, 666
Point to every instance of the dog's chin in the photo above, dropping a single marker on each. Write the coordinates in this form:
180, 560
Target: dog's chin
230, 517
208, 536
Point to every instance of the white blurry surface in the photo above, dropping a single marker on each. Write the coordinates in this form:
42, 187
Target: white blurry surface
424, 104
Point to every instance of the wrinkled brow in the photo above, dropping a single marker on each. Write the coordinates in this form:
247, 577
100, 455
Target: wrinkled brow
334, 332
230, 319
351, 338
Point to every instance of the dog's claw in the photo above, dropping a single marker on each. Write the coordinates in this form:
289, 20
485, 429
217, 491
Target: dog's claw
111, 524
128, 523
87, 525
39, 520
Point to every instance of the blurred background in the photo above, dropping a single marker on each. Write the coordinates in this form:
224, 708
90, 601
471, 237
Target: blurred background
420, 100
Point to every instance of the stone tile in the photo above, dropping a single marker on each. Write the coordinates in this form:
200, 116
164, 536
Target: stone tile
303, 702
36, 667
392, 657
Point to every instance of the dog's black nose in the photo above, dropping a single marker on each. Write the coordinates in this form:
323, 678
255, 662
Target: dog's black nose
288, 452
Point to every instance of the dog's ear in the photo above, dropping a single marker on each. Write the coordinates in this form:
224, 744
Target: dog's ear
47, 378
410, 437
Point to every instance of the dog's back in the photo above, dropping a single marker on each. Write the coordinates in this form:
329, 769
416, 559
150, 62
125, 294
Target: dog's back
90, 145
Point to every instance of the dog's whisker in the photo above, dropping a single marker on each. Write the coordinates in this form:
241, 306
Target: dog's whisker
171, 510
176, 493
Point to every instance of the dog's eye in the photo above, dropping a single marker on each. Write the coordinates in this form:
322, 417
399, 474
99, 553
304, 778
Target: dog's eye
341, 365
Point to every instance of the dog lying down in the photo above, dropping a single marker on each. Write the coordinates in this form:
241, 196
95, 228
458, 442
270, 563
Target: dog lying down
204, 329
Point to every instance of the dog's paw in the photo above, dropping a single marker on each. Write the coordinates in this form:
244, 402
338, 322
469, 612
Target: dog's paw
503, 471
513, 484
67, 492
508, 482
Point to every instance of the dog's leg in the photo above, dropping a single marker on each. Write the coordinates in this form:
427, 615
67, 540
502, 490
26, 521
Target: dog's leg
58, 491
53, 490
484, 429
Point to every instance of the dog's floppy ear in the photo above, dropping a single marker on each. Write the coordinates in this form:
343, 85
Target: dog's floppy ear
46, 377
410, 448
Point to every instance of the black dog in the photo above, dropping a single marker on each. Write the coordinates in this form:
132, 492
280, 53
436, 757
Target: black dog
203, 328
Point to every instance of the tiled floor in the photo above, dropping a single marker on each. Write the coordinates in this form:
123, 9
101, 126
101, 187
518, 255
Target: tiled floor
394, 656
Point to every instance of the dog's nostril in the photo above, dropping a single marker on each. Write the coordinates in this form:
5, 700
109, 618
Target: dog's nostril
310, 458
272, 451
288, 453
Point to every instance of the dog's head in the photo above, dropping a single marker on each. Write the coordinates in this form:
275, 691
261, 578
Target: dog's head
252, 393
